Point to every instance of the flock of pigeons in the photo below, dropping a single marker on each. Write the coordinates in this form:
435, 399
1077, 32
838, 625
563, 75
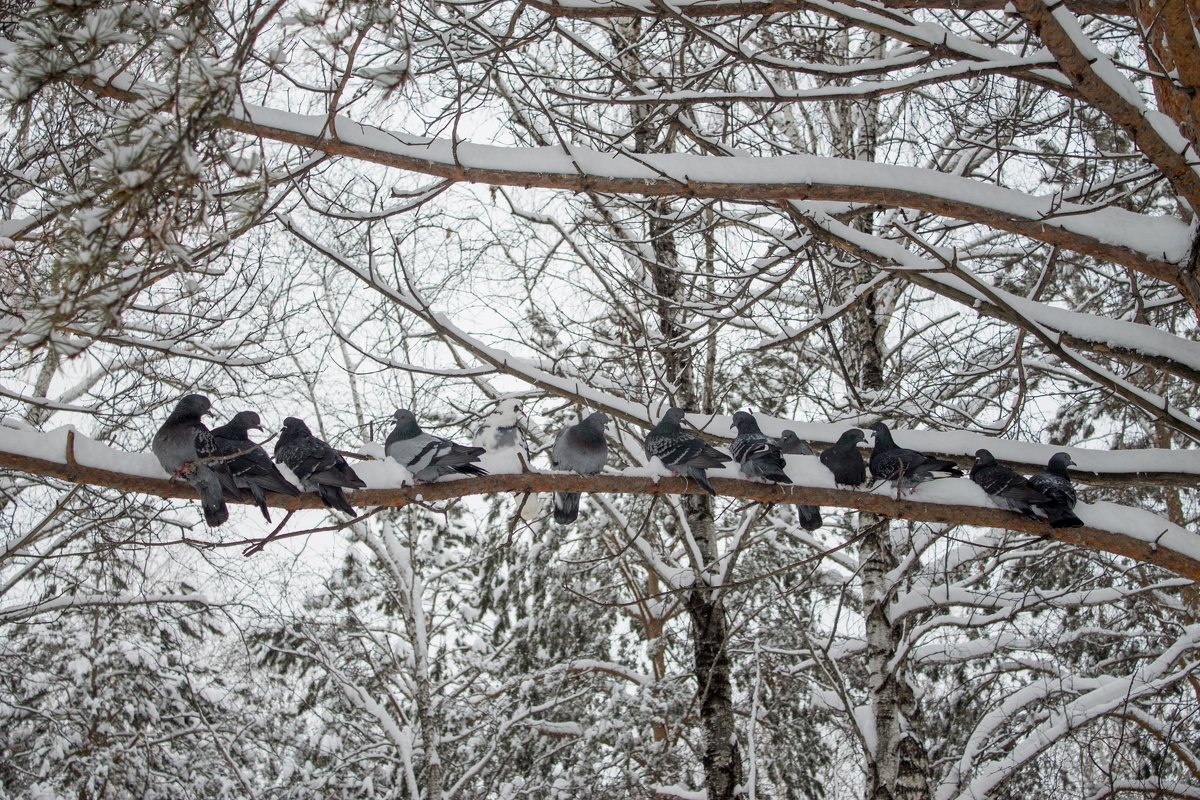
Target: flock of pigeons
223, 462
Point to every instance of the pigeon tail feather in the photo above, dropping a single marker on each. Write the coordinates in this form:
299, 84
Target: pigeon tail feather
332, 497
566, 507
810, 517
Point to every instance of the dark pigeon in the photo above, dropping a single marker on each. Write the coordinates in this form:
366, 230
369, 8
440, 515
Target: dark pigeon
759, 456
1008, 489
180, 445
318, 466
579, 448
844, 459
426, 456
1056, 485
906, 467
250, 466
681, 452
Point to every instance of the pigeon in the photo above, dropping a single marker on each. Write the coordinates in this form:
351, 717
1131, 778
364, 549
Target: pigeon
792, 445
1057, 487
500, 432
249, 464
579, 448
681, 452
844, 460
426, 456
181, 444
1008, 489
319, 467
906, 467
759, 456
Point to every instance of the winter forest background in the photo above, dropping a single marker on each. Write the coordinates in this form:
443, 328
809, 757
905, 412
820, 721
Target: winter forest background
972, 220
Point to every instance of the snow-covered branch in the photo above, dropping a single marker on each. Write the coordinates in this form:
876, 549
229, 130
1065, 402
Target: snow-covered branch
1110, 527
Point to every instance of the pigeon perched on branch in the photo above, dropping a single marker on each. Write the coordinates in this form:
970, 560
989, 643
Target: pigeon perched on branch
250, 466
184, 447
1007, 488
319, 467
844, 459
426, 456
681, 452
790, 444
501, 431
759, 456
1056, 485
906, 467
579, 448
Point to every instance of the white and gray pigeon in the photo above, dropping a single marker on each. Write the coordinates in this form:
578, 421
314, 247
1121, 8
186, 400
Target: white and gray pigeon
760, 456
889, 462
1056, 485
501, 432
844, 460
426, 456
181, 443
1007, 488
249, 464
579, 448
318, 466
681, 452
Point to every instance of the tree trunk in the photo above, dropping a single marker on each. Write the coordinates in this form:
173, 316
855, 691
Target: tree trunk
722, 760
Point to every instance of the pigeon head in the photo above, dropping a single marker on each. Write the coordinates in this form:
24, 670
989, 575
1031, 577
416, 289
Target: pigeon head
192, 406
851, 437
295, 425
246, 420
883, 436
984, 457
1059, 463
597, 419
744, 422
673, 416
406, 424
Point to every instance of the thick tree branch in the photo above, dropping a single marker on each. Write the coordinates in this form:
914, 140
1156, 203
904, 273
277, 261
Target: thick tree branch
1150, 546
1095, 77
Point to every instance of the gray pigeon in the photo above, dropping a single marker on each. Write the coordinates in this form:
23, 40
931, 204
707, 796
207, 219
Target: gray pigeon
681, 452
579, 448
426, 456
249, 464
906, 467
319, 467
181, 443
1007, 488
1056, 485
760, 456
792, 445
844, 460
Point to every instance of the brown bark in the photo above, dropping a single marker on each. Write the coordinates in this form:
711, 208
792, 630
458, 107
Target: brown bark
885, 504
1077, 66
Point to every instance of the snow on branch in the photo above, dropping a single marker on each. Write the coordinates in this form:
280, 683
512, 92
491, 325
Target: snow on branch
1153, 245
1097, 79
1111, 528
